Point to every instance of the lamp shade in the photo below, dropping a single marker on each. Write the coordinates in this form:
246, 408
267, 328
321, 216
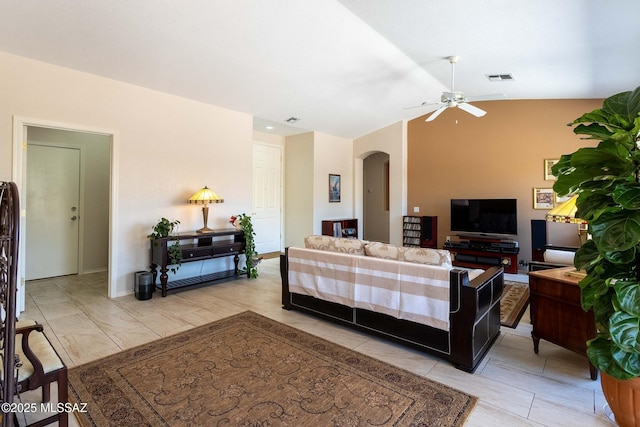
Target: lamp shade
565, 212
205, 197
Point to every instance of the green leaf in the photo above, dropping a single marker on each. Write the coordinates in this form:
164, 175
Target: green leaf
600, 353
616, 231
601, 162
627, 196
562, 166
591, 169
593, 130
628, 361
593, 288
625, 104
628, 295
623, 328
621, 257
586, 255
592, 204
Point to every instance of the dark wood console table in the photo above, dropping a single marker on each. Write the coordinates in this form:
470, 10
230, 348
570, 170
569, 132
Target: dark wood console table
556, 312
482, 252
196, 247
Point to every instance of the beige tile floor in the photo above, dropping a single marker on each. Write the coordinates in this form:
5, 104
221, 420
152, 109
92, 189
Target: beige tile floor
516, 387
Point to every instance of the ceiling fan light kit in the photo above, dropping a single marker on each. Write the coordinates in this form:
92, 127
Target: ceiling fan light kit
453, 98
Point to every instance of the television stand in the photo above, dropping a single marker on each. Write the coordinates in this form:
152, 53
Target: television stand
480, 252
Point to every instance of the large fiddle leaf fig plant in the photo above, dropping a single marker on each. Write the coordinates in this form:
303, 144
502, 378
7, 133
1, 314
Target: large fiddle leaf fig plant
607, 181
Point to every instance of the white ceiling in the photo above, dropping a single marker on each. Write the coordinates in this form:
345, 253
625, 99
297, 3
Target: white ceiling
344, 67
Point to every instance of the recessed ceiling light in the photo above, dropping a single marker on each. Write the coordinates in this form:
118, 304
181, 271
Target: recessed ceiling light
269, 127
499, 77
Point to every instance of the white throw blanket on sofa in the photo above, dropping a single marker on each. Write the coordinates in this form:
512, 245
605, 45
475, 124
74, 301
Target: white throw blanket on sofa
404, 290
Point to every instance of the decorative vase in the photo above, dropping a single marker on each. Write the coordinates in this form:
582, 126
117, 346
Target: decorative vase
623, 397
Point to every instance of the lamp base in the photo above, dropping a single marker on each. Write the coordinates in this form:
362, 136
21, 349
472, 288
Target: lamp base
205, 230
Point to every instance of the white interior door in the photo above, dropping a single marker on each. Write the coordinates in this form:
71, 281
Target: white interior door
267, 194
52, 203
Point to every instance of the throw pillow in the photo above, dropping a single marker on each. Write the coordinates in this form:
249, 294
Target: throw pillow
335, 244
428, 256
417, 255
383, 250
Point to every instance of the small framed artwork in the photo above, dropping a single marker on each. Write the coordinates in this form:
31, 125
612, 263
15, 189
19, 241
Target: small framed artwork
548, 164
334, 188
559, 200
543, 198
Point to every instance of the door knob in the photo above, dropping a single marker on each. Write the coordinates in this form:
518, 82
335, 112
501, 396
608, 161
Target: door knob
73, 218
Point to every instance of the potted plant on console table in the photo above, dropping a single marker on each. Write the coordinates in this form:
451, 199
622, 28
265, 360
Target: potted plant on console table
243, 222
606, 179
163, 228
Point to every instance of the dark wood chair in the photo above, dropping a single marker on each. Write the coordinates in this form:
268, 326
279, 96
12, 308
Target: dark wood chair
26, 352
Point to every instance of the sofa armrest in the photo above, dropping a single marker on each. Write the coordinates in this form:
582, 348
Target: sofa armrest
475, 322
284, 276
484, 278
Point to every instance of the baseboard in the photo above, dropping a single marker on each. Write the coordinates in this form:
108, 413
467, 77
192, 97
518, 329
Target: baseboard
97, 270
269, 255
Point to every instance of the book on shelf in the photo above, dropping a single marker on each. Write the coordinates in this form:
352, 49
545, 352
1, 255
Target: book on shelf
337, 229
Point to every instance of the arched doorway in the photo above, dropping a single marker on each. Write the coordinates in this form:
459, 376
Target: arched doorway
376, 197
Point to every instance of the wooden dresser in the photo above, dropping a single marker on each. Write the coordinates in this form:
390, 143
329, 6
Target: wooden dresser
556, 312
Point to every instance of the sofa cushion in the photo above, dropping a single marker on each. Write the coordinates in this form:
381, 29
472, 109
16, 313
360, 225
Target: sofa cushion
335, 244
416, 255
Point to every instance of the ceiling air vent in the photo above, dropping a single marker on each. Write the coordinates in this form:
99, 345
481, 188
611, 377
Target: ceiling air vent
291, 120
499, 77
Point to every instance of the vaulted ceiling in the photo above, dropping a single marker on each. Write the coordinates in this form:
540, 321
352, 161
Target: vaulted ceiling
343, 67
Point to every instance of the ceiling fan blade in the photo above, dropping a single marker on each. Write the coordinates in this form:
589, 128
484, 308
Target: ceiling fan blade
471, 109
494, 96
436, 113
424, 104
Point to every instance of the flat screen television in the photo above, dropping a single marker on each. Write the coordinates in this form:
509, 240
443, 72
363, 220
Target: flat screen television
484, 216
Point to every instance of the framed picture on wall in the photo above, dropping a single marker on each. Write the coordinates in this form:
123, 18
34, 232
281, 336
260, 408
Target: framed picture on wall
548, 164
559, 200
543, 198
334, 188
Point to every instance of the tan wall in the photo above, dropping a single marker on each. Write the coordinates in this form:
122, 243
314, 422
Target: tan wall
298, 199
500, 155
393, 141
375, 194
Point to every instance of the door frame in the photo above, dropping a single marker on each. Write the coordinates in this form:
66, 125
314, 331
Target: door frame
19, 177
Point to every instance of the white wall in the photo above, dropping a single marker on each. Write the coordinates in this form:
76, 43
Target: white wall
268, 138
393, 141
332, 155
168, 148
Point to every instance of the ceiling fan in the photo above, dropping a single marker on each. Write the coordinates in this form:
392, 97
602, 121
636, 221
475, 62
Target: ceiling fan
453, 99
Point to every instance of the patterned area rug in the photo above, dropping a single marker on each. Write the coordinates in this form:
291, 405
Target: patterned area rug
513, 303
248, 370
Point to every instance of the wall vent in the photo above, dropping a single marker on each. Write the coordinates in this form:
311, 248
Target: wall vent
499, 77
